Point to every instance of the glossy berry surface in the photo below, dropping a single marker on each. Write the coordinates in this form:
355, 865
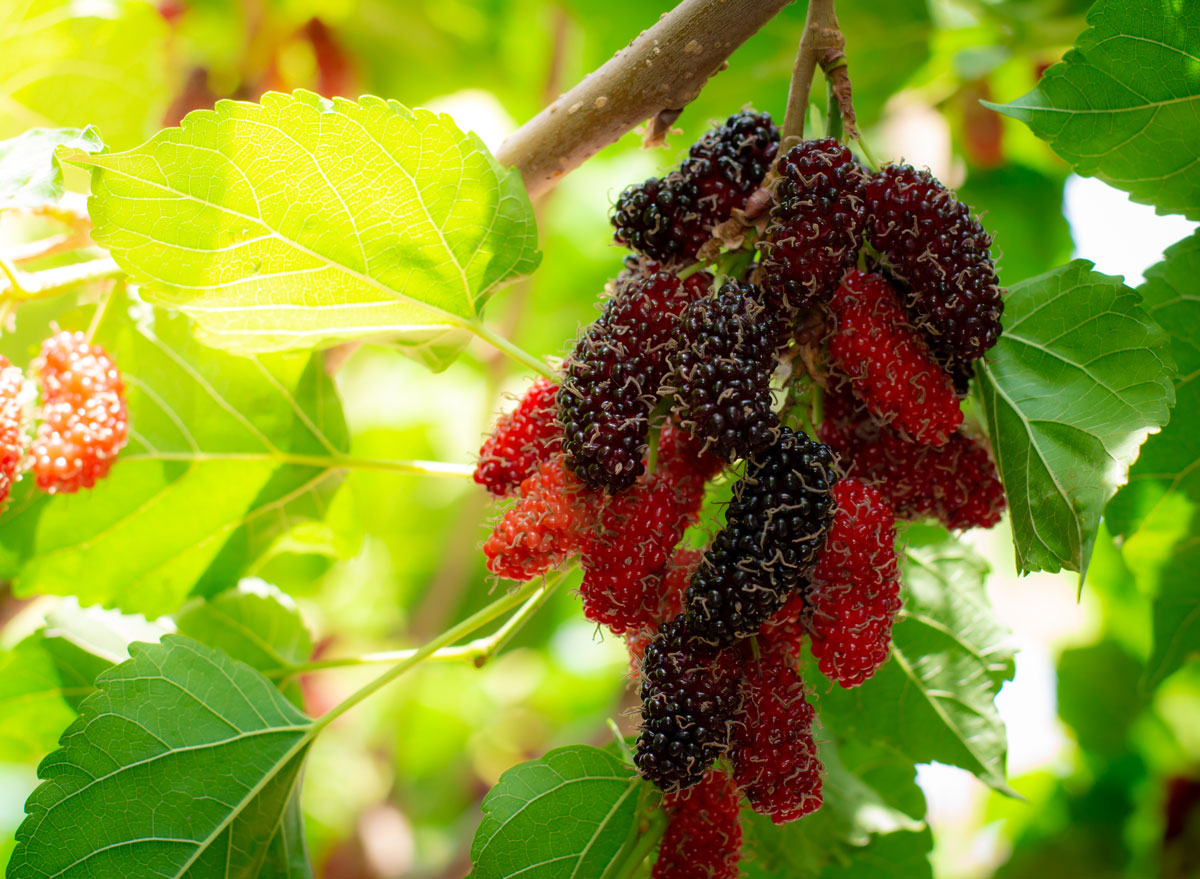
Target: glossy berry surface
774, 525
854, 592
703, 839
12, 432
775, 758
887, 364
720, 373
84, 418
929, 241
690, 695
816, 225
522, 440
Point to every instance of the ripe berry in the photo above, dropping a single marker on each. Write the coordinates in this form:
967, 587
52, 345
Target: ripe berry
669, 219
84, 422
522, 440
775, 760
855, 586
720, 373
956, 483
887, 364
612, 377
816, 225
12, 432
689, 697
545, 527
704, 836
774, 525
929, 241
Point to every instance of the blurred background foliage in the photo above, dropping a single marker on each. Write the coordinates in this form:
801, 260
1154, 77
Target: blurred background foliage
1106, 757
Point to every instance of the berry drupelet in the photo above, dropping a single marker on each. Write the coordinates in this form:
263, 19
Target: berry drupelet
929, 241
774, 525
522, 440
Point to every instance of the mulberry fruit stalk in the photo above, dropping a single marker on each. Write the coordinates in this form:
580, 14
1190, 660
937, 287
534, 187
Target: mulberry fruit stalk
522, 440
928, 240
84, 419
774, 525
854, 592
886, 363
703, 839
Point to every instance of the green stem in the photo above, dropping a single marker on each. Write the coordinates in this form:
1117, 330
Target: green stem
476, 621
645, 844
833, 116
872, 162
622, 745
100, 313
52, 282
328, 462
516, 353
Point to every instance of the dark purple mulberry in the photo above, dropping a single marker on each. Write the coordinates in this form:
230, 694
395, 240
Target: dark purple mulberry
774, 526
612, 376
816, 225
690, 694
720, 372
929, 241
670, 218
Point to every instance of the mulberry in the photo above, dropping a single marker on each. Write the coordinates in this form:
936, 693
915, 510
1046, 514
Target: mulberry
12, 430
774, 525
782, 636
720, 373
670, 584
704, 836
690, 695
669, 219
956, 483
855, 586
929, 241
816, 225
84, 421
887, 364
612, 377
522, 440
775, 760
548, 524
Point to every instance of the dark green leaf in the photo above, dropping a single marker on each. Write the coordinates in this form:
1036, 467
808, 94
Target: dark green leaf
184, 763
933, 699
224, 454
1124, 104
1077, 381
30, 173
569, 814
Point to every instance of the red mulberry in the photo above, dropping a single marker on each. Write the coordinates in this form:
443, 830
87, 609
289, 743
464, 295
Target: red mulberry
929, 241
855, 586
782, 636
887, 363
720, 373
775, 760
774, 525
612, 377
955, 483
12, 430
816, 225
522, 440
84, 422
690, 694
704, 836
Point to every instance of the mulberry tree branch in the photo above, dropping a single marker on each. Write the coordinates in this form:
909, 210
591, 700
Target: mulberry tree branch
663, 69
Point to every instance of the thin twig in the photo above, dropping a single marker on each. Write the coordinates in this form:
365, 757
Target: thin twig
822, 45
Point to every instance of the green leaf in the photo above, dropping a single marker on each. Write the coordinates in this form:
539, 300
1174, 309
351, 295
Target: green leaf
183, 763
224, 454
30, 173
1124, 104
67, 63
934, 698
570, 813
1079, 378
302, 222
1158, 512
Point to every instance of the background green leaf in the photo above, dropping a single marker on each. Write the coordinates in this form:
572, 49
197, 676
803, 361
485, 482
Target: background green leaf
184, 763
568, 814
225, 453
1079, 378
302, 222
1124, 104
30, 173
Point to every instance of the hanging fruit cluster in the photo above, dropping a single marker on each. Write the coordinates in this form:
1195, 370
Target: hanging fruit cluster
878, 291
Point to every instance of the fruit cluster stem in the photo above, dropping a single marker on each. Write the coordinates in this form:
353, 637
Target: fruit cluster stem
821, 45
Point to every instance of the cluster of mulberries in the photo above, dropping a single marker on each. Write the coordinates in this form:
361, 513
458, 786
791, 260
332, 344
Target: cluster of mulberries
672, 386
670, 218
